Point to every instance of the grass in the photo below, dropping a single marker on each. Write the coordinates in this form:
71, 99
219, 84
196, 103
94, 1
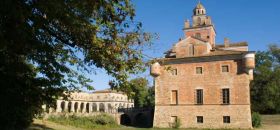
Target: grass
270, 122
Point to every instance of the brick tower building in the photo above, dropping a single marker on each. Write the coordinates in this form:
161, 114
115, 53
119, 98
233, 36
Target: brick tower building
203, 84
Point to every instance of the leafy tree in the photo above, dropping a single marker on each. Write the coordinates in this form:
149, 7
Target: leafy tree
265, 88
47, 46
142, 94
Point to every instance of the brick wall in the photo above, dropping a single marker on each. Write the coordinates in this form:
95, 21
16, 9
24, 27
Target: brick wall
212, 80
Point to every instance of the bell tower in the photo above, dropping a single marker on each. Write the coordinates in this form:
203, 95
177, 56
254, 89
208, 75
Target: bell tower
202, 26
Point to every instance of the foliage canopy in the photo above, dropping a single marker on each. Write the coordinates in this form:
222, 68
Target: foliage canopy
47, 46
265, 88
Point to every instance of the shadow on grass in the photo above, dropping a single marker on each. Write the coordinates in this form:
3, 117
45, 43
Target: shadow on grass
39, 127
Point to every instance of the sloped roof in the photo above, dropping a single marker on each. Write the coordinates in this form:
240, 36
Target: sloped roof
237, 44
106, 91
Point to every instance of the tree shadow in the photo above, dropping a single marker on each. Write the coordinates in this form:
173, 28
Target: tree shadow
39, 127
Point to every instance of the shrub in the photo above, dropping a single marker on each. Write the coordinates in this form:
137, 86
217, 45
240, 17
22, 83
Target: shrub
102, 120
256, 119
177, 124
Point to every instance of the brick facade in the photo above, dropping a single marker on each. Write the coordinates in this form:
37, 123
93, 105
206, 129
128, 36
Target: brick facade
201, 68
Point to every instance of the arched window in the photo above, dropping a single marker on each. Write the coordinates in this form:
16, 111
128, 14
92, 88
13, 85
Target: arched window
62, 106
81, 107
69, 106
101, 107
94, 107
76, 106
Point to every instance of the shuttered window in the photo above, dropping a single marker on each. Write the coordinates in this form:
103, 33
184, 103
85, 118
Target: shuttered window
225, 96
199, 96
226, 119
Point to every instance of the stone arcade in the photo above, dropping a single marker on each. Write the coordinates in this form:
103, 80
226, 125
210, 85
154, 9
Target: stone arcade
99, 101
203, 84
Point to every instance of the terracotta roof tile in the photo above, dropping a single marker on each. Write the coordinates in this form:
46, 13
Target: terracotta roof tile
233, 44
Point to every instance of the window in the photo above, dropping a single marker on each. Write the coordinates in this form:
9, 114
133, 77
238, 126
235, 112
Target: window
174, 97
198, 35
173, 119
225, 68
226, 119
191, 50
199, 96
199, 119
198, 70
225, 94
174, 71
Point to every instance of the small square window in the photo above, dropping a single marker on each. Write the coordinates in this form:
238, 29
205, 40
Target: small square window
225, 68
174, 119
199, 119
226, 119
174, 71
198, 70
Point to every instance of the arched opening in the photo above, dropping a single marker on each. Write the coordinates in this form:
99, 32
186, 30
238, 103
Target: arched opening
110, 108
101, 107
125, 120
87, 107
76, 106
62, 106
94, 107
69, 106
81, 107
141, 120
120, 105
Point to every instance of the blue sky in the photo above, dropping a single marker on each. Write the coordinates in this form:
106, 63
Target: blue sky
254, 21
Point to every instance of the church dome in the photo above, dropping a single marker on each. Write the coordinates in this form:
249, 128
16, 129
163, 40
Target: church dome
199, 6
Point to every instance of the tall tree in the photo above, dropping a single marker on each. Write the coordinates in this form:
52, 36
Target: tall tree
47, 46
142, 94
265, 88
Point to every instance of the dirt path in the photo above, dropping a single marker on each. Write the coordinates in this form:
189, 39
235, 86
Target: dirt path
270, 122
46, 125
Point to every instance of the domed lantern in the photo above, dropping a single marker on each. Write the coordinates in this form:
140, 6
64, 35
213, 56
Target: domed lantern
155, 69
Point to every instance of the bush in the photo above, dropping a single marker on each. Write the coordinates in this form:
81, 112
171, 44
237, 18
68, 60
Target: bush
256, 119
177, 124
101, 120
104, 119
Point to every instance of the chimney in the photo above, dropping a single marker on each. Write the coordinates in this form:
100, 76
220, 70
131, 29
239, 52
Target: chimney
180, 39
226, 42
187, 24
